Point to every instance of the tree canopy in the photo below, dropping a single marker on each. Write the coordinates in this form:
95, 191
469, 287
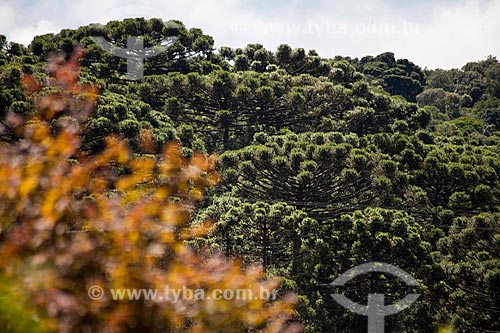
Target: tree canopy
242, 168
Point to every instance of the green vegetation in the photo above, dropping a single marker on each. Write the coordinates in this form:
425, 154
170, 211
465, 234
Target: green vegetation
325, 163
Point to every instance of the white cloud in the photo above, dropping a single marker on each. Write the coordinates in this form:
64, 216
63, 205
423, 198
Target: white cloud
433, 34
459, 33
7, 14
25, 34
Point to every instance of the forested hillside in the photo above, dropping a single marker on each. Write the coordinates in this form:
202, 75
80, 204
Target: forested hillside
325, 163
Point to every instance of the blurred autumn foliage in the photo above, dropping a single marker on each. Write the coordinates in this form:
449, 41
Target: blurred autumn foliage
70, 220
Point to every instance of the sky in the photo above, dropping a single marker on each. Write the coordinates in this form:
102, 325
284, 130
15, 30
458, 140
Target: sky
431, 33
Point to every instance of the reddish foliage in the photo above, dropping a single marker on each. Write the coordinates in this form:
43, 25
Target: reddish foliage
67, 225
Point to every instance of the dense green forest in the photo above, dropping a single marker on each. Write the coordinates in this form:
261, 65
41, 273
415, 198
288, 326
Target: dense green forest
326, 163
